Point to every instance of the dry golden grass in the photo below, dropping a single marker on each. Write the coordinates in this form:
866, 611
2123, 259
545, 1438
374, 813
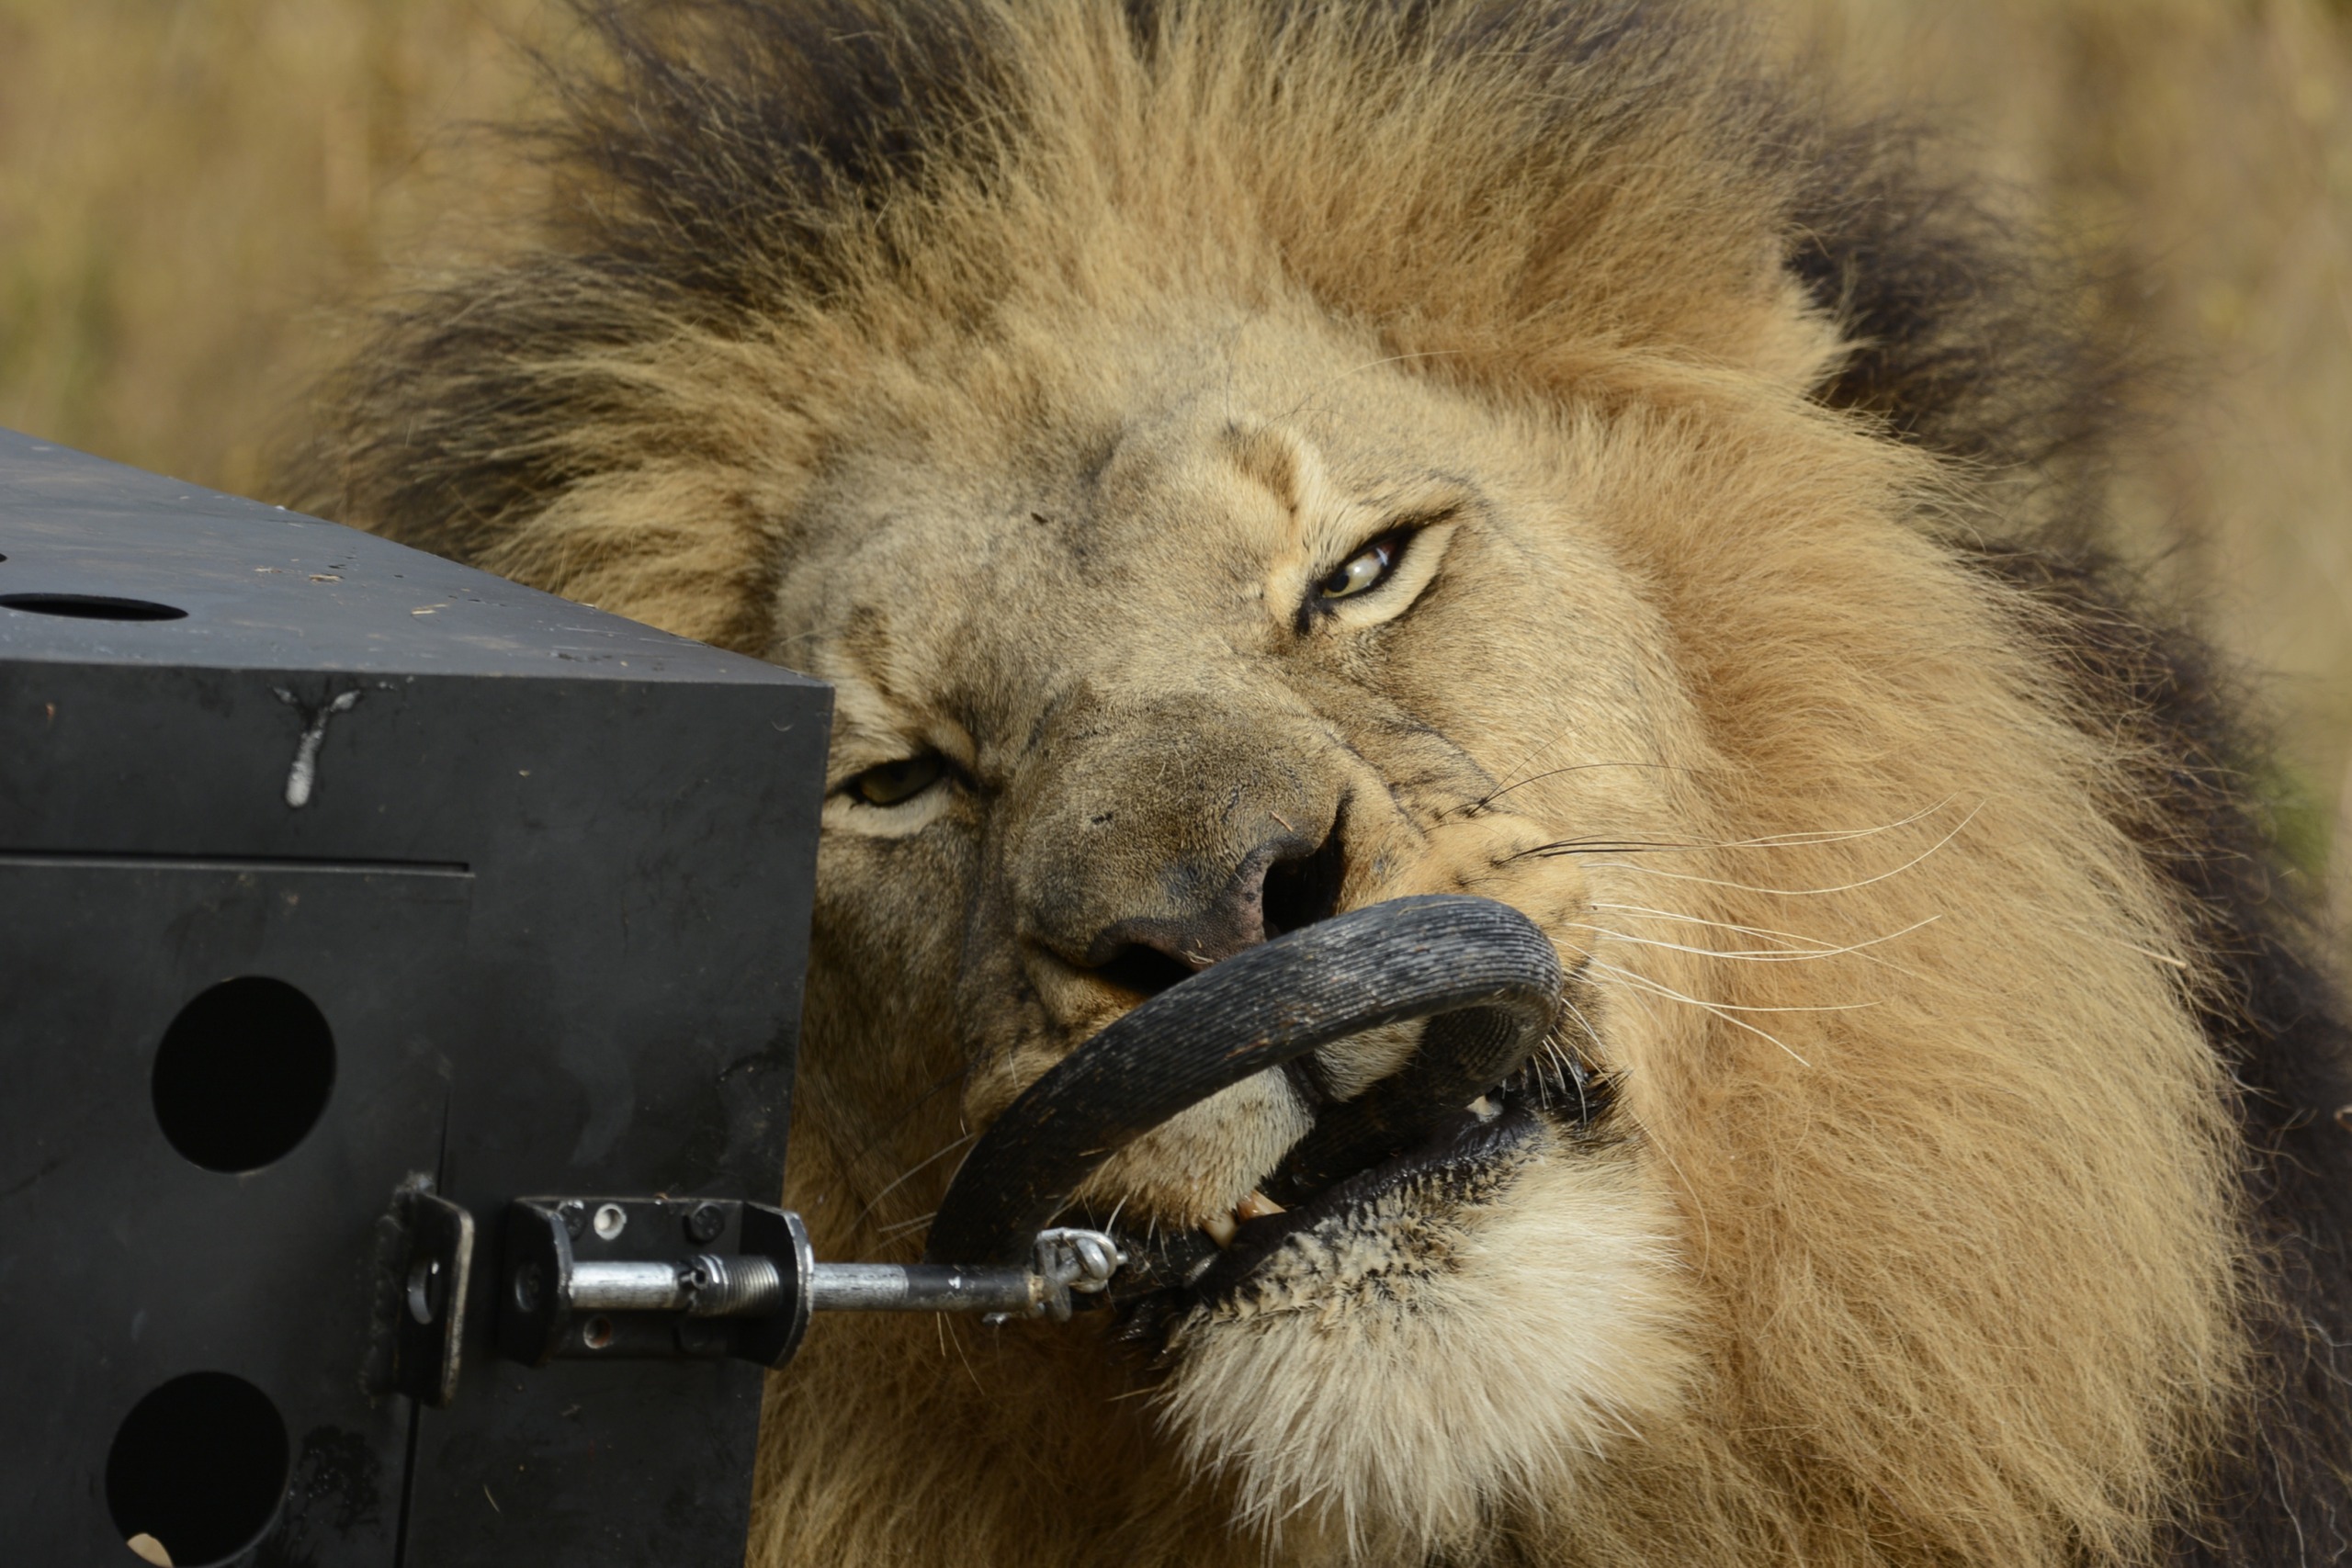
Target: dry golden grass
2208, 145
187, 190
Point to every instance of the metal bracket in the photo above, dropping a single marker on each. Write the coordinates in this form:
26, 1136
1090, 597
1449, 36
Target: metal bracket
610, 1278
425, 1260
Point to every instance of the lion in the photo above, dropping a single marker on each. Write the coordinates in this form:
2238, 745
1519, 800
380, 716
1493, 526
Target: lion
1241, 461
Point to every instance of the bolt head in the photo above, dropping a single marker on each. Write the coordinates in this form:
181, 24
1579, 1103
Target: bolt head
705, 1222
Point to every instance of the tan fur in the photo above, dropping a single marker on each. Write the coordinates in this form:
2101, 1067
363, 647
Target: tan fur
1918, 1247
1558, 1269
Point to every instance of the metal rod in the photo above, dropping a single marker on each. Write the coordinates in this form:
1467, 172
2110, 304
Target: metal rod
920, 1287
752, 1286
706, 1286
835, 1287
628, 1287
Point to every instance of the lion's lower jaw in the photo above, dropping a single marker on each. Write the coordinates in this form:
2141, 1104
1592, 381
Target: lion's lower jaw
1438, 1381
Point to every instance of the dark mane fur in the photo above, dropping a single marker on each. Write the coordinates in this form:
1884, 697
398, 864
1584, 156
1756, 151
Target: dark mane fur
1972, 346
2274, 1016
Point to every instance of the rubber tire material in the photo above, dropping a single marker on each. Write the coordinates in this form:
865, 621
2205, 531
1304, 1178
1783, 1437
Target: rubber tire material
1486, 977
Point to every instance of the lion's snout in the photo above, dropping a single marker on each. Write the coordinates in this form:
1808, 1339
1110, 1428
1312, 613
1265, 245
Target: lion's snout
1160, 845
1285, 881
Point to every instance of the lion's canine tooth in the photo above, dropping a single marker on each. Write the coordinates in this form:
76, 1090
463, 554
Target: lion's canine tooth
1487, 1108
1256, 1206
1220, 1228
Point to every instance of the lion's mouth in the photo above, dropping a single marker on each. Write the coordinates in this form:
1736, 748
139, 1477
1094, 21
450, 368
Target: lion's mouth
1457, 1157
1487, 981
1462, 1159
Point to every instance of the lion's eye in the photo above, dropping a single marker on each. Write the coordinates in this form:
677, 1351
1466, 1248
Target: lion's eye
1364, 570
890, 784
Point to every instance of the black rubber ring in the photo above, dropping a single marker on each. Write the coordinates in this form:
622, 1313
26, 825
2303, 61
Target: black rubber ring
1481, 969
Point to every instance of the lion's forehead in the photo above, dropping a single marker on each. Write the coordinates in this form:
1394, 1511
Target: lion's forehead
979, 551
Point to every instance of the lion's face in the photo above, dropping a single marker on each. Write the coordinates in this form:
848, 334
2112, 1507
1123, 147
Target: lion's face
1143, 659
1156, 634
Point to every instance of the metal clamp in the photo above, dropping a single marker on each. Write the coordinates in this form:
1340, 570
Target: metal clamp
614, 1277
667, 1278
1066, 1262
425, 1267
1071, 1259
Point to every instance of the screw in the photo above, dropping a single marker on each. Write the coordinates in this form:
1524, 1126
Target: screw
705, 1222
424, 1290
575, 1219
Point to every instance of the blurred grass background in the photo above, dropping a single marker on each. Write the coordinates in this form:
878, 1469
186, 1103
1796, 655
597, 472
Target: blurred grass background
188, 188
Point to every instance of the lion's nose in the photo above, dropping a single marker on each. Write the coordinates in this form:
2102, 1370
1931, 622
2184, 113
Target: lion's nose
1284, 883
1144, 840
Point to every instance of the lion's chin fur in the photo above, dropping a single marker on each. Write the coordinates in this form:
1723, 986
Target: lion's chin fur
1432, 1382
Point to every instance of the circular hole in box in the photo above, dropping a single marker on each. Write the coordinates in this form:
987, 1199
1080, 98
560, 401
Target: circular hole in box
200, 1467
93, 607
243, 1073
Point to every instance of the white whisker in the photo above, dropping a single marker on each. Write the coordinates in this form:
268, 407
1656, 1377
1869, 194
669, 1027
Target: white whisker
1686, 918
956, 1337
1503, 789
1815, 944
1833, 835
911, 1171
1738, 1023
1744, 955
1808, 838
1755, 955
1795, 892
1643, 982
1666, 991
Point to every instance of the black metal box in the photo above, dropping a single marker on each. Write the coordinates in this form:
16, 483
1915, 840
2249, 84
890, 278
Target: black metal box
324, 864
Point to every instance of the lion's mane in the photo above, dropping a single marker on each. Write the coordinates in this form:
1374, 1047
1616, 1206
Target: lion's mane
2042, 1257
